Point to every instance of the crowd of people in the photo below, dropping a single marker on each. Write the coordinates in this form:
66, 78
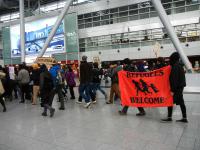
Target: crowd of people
39, 81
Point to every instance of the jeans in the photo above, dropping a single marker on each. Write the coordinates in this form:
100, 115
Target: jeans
85, 91
96, 87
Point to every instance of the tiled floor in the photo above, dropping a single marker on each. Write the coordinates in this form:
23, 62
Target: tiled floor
97, 128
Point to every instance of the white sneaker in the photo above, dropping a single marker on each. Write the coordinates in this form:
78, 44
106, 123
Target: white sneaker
78, 102
94, 102
87, 105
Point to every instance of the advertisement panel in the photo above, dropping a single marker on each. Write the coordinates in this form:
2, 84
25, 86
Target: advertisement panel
36, 34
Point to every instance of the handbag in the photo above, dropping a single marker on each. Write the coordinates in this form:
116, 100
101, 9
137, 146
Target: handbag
1, 88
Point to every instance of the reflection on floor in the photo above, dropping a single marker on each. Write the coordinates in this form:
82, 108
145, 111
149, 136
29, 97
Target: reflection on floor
97, 128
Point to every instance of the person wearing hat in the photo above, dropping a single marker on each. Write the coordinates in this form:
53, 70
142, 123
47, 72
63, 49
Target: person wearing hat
177, 83
35, 77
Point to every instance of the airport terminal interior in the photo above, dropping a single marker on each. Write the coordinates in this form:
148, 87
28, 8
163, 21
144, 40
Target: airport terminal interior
86, 112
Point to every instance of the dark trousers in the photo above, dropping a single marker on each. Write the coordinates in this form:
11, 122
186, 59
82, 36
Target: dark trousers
71, 90
125, 109
24, 91
183, 110
46, 99
2, 102
58, 90
178, 100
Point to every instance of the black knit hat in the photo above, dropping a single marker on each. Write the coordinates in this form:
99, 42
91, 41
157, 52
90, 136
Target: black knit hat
174, 58
127, 61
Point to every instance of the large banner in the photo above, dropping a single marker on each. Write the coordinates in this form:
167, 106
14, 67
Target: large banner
146, 89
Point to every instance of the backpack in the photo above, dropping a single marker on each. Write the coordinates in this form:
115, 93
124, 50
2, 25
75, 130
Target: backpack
56, 75
59, 79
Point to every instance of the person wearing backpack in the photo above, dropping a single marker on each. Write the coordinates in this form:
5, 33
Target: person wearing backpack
71, 81
58, 83
46, 88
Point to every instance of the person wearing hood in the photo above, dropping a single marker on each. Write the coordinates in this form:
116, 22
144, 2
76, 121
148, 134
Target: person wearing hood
46, 87
177, 83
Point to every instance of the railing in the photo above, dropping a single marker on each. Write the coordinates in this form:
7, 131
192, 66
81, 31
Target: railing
43, 9
186, 33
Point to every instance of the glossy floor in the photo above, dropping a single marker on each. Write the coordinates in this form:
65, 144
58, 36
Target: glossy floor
99, 128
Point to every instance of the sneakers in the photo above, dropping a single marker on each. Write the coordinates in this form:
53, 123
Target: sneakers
52, 111
62, 108
87, 105
94, 102
184, 120
122, 113
166, 120
4, 110
108, 102
44, 114
141, 114
21, 101
79, 102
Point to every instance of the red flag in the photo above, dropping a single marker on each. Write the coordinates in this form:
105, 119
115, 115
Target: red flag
146, 89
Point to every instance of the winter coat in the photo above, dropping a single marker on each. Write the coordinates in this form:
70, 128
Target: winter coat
46, 82
35, 77
70, 79
85, 73
177, 82
96, 73
23, 76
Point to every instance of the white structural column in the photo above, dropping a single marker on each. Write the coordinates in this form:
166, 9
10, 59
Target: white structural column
22, 30
55, 27
166, 22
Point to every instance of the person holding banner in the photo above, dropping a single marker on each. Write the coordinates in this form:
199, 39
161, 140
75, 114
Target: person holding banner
177, 83
127, 67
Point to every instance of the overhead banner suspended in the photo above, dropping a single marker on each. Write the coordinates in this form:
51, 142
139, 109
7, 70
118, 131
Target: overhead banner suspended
146, 89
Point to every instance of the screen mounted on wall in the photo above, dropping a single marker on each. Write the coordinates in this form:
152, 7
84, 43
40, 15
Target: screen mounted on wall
36, 34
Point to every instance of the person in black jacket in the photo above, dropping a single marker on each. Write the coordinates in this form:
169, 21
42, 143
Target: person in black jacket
46, 88
85, 82
177, 83
35, 77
